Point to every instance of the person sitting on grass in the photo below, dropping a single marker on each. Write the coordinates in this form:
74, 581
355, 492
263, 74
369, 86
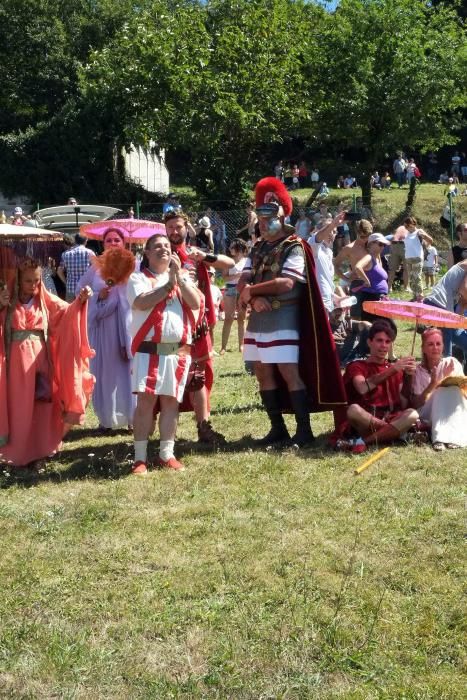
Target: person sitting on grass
444, 407
377, 393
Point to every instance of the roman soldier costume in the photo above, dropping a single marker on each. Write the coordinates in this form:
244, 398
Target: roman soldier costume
294, 328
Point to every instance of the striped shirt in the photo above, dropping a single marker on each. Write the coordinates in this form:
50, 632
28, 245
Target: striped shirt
75, 262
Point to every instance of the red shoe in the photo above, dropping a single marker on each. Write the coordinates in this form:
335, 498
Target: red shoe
139, 468
171, 463
358, 447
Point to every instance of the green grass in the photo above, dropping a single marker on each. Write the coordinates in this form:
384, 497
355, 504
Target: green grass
253, 574
389, 207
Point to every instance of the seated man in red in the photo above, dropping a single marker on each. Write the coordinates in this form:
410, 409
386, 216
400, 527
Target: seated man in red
377, 391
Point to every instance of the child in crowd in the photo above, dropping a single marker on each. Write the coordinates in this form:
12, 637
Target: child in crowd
216, 294
430, 265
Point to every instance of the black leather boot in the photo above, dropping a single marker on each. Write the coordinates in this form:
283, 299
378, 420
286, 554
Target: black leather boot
278, 432
304, 435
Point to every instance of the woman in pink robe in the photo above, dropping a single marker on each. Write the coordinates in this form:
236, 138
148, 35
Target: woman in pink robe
44, 357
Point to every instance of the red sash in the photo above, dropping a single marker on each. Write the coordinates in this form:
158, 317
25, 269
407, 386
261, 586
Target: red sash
154, 320
204, 285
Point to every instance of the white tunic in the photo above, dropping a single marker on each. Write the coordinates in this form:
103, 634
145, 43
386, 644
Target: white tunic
446, 409
159, 374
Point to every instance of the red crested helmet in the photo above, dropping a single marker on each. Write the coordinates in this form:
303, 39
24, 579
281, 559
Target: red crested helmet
270, 189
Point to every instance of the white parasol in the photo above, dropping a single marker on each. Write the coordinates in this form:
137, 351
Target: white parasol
9, 232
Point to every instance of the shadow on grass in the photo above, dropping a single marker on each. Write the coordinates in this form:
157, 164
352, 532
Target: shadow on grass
226, 410
248, 444
82, 433
112, 462
101, 463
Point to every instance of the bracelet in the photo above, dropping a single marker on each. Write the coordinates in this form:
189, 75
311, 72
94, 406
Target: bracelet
210, 258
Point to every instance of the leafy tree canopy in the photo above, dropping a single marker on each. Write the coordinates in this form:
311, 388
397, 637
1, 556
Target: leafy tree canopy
226, 81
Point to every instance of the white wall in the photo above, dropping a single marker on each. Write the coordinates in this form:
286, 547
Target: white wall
146, 166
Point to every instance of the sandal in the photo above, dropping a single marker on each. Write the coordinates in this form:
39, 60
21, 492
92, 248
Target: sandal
439, 446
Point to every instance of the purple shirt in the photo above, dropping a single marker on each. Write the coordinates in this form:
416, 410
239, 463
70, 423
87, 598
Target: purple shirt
378, 278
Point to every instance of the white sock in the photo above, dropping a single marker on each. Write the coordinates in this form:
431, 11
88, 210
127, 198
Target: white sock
141, 450
166, 449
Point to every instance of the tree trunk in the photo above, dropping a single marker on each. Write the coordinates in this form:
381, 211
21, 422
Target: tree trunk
411, 195
366, 189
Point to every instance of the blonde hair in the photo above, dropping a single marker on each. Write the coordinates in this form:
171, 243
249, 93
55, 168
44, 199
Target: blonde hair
364, 226
425, 335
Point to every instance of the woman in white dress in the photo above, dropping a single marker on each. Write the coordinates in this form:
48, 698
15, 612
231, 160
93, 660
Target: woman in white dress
444, 407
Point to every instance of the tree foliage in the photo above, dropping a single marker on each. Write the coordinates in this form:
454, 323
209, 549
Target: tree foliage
397, 71
225, 81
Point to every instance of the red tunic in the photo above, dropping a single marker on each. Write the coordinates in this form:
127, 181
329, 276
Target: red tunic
384, 398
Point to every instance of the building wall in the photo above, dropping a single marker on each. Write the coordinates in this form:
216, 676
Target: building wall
146, 166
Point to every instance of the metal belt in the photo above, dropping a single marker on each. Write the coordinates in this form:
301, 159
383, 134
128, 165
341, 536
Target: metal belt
147, 346
24, 334
278, 303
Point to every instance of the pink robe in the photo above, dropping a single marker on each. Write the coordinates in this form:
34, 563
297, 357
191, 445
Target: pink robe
31, 429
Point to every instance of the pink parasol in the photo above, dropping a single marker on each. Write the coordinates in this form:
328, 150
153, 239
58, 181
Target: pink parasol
415, 312
133, 230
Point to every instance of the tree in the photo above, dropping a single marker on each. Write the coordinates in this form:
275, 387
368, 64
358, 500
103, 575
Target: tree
220, 80
396, 69
51, 141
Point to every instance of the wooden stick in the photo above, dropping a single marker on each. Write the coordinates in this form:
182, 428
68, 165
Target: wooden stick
414, 337
372, 459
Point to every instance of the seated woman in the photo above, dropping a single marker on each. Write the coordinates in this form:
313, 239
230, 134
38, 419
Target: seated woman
445, 408
370, 269
45, 384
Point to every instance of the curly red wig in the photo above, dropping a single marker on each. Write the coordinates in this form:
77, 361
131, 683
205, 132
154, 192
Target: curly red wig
116, 265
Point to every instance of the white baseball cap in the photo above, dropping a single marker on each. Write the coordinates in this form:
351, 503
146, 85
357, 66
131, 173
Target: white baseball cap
378, 238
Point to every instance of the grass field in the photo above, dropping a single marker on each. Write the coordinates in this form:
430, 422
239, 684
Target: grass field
388, 207
253, 574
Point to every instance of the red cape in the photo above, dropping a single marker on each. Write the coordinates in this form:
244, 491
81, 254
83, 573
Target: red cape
202, 348
318, 361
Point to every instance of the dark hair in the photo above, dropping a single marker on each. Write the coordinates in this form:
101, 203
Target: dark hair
152, 238
385, 325
144, 260
240, 245
80, 240
410, 221
175, 214
114, 230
